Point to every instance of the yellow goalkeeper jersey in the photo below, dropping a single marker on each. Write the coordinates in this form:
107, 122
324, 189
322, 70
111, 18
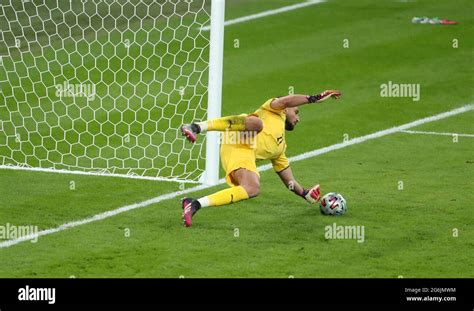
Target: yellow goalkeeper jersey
271, 144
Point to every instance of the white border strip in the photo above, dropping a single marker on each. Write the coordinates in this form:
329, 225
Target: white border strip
173, 195
267, 13
437, 133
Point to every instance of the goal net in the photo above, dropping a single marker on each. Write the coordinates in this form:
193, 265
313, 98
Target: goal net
102, 86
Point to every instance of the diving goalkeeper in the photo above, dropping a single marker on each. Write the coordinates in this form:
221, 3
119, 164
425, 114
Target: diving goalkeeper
248, 138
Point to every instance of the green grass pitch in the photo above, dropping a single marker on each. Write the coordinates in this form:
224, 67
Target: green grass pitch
412, 193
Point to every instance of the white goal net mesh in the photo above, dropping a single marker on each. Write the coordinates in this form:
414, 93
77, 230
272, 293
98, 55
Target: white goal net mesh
103, 85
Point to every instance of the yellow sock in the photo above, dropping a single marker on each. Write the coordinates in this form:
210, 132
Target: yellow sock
227, 196
230, 123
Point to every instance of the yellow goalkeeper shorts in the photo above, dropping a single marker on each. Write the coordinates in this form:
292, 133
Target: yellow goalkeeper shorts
235, 156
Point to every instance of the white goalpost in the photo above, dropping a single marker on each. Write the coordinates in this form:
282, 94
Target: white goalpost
216, 55
101, 87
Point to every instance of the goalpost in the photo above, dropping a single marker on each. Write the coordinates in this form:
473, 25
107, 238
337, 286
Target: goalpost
101, 87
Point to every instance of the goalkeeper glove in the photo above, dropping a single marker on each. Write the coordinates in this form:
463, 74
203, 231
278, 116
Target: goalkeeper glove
318, 98
312, 195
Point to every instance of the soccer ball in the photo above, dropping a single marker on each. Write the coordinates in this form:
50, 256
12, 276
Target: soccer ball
333, 204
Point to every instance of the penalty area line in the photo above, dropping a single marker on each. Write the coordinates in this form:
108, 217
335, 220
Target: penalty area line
173, 195
284, 9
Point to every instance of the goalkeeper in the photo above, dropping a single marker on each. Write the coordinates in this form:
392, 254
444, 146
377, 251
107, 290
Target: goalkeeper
248, 138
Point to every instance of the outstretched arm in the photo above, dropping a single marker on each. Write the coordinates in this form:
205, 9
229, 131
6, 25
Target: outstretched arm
298, 100
288, 179
312, 195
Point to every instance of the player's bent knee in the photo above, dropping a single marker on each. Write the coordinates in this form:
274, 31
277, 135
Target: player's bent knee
252, 189
254, 124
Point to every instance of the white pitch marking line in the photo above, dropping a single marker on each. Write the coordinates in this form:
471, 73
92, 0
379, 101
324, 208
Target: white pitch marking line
267, 13
72, 172
437, 133
262, 168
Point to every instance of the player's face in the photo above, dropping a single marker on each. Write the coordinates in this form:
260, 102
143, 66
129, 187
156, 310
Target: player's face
292, 118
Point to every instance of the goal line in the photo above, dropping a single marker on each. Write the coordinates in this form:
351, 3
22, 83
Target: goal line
438, 133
